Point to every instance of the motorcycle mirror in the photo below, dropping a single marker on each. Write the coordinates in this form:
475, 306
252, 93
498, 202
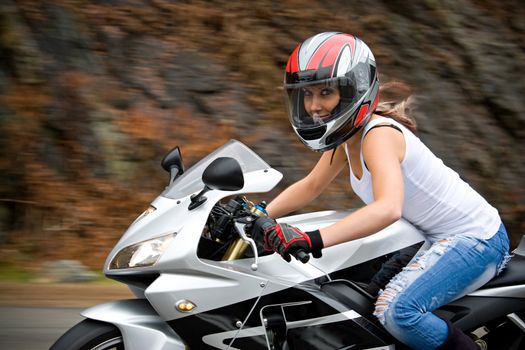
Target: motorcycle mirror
172, 163
223, 173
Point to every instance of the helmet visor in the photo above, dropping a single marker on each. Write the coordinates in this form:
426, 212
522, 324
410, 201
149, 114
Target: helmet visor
314, 104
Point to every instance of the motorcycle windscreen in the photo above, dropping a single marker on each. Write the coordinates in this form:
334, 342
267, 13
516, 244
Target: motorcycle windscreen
191, 181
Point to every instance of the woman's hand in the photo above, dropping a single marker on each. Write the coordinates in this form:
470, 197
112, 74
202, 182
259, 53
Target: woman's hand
286, 239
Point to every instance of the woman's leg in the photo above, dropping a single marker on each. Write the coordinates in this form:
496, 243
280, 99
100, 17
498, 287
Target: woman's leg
448, 270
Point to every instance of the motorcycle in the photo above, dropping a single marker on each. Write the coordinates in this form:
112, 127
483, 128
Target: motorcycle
202, 281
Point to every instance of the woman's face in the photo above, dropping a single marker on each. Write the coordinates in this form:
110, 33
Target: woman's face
320, 100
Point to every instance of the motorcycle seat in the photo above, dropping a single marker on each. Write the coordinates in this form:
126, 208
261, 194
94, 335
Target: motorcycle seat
513, 274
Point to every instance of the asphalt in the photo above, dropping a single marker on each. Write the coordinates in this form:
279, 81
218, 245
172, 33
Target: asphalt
30, 328
34, 315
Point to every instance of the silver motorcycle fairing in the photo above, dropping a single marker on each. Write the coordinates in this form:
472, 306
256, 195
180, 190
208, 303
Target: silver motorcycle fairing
140, 325
214, 284
169, 212
208, 290
242, 325
173, 216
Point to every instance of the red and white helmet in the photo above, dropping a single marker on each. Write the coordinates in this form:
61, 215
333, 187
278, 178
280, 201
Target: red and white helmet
340, 61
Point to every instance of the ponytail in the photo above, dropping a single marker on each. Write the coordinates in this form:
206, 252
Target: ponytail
396, 103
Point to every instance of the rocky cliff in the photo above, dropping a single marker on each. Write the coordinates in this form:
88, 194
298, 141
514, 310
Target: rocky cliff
93, 93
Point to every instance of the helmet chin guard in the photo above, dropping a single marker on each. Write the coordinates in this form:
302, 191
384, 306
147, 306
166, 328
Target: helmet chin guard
338, 61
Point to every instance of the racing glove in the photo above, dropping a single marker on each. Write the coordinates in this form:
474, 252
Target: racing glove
286, 239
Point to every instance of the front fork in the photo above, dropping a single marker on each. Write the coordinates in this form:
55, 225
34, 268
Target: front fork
237, 248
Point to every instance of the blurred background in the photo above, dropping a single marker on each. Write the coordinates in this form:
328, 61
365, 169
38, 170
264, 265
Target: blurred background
94, 93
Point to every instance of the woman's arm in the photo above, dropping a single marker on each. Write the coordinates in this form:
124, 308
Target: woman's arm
383, 151
307, 189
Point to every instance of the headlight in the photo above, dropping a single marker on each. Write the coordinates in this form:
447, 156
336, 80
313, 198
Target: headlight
141, 254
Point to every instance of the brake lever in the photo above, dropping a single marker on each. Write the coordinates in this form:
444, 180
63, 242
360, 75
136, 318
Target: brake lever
239, 226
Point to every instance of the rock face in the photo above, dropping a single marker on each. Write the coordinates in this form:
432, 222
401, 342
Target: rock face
94, 93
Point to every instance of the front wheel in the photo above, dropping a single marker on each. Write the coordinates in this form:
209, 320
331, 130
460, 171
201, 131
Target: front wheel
90, 335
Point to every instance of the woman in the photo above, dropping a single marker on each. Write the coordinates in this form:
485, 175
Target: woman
333, 93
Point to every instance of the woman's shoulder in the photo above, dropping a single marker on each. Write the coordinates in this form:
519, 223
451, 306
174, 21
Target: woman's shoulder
384, 123
384, 133
377, 119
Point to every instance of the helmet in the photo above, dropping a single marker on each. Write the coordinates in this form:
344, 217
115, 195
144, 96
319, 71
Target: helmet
343, 64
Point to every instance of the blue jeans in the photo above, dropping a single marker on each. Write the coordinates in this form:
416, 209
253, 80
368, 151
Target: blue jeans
448, 270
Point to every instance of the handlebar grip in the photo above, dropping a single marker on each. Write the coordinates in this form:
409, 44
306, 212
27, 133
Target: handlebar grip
301, 256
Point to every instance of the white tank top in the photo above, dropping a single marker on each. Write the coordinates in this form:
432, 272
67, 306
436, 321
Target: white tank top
436, 199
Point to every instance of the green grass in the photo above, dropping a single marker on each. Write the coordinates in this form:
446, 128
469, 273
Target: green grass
13, 274
101, 278
10, 273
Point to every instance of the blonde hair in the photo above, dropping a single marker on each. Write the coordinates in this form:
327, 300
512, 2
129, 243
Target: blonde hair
396, 102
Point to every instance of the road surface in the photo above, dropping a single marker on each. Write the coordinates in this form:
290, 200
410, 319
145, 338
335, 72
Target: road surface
30, 328
34, 315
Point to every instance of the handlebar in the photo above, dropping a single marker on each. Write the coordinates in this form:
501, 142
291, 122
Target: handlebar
229, 213
301, 255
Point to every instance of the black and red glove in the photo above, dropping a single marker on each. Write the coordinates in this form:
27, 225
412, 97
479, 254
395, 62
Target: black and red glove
286, 239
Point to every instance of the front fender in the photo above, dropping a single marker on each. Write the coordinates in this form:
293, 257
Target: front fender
139, 323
